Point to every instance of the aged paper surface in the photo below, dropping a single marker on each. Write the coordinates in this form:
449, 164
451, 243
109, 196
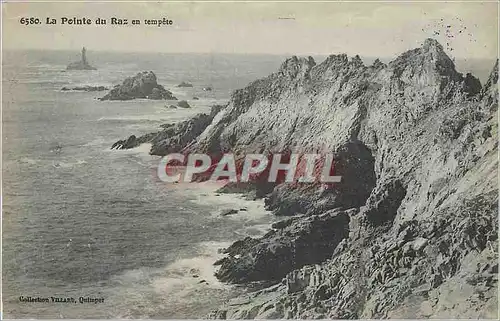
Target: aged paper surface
311, 160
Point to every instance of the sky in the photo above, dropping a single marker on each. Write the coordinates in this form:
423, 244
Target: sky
376, 29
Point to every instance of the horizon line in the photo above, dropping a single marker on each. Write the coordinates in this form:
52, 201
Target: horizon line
233, 53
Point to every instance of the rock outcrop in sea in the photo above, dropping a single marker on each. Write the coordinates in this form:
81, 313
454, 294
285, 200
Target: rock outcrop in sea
143, 85
83, 64
85, 88
412, 229
173, 137
183, 104
185, 84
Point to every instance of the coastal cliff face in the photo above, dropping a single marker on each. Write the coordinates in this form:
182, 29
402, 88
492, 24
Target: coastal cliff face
420, 239
411, 231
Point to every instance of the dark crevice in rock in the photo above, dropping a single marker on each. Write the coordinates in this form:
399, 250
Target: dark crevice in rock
472, 85
354, 162
383, 203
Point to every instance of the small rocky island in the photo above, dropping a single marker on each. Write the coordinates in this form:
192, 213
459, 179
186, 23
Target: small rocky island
180, 104
83, 64
143, 85
183, 104
185, 84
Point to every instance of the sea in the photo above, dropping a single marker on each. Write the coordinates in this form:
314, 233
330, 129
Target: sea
82, 220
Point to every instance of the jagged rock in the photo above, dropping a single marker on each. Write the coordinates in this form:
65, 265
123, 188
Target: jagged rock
85, 88
489, 92
208, 88
130, 142
378, 64
382, 204
82, 64
227, 212
279, 252
185, 84
173, 137
472, 85
183, 104
158, 93
142, 85
493, 78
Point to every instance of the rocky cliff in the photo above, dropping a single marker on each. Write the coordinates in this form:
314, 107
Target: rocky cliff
411, 231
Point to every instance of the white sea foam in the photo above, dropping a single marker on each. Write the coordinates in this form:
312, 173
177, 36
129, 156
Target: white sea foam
68, 164
142, 149
87, 83
255, 230
98, 142
177, 288
247, 209
186, 274
149, 117
27, 160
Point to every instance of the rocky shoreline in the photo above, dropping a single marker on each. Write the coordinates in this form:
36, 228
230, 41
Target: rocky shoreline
411, 232
173, 137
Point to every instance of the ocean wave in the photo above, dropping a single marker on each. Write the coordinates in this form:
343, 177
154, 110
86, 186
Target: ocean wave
47, 81
256, 230
46, 66
27, 160
139, 155
148, 118
248, 210
100, 141
142, 149
183, 285
190, 273
88, 84
68, 164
